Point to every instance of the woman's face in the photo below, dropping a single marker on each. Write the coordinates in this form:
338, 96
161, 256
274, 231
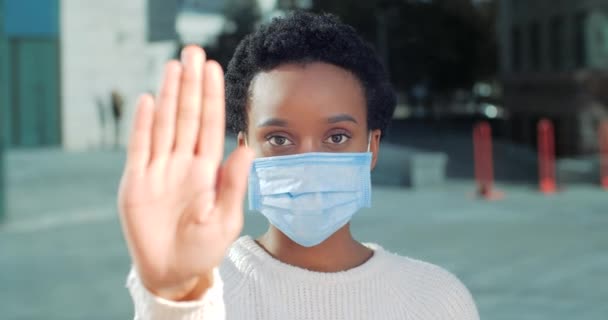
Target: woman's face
314, 107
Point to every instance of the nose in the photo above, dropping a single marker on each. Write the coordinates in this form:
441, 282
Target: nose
309, 144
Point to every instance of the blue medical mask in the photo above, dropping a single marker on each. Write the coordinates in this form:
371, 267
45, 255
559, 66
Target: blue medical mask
310, 196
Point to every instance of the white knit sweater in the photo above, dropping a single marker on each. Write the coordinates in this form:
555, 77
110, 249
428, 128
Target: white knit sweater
252, 285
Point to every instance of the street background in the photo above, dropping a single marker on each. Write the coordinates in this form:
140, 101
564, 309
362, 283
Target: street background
528, 256
71, 70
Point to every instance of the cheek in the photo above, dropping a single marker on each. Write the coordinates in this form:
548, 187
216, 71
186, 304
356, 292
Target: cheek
258, 148
257, 142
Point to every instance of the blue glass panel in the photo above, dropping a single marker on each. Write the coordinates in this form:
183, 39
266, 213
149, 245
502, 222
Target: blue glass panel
31, 18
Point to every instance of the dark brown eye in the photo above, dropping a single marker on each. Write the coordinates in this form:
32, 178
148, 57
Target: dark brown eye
279, 141
337, 138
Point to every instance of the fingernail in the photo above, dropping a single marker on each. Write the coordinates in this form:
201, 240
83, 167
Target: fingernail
186, 56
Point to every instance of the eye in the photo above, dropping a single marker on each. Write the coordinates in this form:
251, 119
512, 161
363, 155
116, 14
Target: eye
339, 138
279, 141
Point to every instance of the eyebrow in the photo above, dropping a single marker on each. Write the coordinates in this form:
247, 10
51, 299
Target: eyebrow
273, 122
340, 118
276, 122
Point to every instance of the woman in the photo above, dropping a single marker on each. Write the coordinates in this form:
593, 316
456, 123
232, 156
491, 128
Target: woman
310, 102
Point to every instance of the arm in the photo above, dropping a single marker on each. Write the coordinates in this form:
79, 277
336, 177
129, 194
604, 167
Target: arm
180, 206
149, 307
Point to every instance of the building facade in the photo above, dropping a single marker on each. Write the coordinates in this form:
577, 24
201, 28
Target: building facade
62, 59
553, 63
29, 73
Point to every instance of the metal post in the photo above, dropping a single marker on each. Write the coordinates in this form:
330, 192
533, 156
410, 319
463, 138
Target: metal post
546, 157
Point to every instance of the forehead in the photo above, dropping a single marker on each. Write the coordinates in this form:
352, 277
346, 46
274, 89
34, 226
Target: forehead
297, 92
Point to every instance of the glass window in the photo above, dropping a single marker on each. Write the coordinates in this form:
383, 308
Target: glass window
580, 51
556, 32
535, 45
516, 49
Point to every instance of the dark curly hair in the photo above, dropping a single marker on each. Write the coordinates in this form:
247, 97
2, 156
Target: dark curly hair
303, 37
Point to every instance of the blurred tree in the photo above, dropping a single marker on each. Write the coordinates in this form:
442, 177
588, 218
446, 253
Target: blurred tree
445, 44
243, 16
448, 43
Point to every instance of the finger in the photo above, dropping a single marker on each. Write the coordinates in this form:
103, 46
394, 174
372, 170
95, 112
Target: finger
164, 119
213, 122
190, 99
138, 152
233, 185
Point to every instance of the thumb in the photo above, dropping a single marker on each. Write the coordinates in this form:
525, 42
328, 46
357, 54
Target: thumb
233, 185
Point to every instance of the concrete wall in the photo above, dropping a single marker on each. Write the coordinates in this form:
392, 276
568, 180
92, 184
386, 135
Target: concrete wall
104, 47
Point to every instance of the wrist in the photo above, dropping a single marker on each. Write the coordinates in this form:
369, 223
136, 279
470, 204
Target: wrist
191, 290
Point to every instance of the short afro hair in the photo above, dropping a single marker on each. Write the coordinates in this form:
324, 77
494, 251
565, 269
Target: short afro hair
303, 37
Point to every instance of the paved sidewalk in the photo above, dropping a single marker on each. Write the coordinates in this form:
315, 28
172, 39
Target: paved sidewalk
526, 257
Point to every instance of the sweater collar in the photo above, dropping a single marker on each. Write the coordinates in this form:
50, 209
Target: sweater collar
249, 256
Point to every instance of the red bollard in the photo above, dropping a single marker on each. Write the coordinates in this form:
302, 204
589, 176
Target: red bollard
484, 170
603, 133
546, 157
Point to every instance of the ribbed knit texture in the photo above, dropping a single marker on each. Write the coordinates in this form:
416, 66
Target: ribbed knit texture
256, 286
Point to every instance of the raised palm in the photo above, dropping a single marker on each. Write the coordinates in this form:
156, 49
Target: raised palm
180, 207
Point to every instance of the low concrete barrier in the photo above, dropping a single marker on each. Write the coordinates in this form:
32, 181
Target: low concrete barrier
409, 167
578, 170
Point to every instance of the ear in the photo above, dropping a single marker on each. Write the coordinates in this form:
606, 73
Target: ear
374, 146
240, 139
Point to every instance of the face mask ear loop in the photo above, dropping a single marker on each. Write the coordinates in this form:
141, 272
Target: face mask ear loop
245, 139
369, 141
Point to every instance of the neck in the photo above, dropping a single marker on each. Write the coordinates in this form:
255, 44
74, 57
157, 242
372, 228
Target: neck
339, 252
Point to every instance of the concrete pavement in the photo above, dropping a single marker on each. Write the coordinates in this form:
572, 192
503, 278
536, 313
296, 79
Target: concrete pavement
526, 257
